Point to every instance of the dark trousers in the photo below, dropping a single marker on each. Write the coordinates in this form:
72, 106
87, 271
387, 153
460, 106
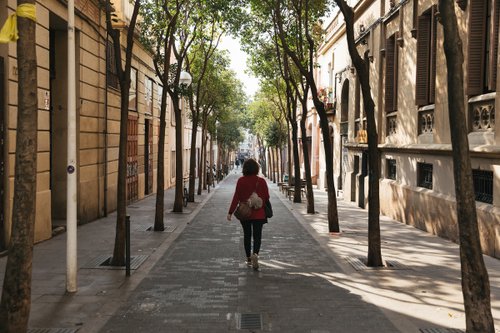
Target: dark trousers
252, 227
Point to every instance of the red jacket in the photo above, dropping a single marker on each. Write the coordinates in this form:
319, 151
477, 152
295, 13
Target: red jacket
244, 188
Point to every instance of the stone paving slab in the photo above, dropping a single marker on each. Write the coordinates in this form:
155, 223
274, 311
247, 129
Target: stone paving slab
100, 291
194, 278
425, 295
203, 285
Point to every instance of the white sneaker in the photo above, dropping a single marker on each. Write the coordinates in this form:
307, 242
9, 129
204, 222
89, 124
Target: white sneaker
255, 261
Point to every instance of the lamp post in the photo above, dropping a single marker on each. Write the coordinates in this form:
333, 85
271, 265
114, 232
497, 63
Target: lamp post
185, 80
71, 186
218, 170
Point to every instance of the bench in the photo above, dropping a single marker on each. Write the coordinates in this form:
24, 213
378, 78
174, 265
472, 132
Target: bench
291, 191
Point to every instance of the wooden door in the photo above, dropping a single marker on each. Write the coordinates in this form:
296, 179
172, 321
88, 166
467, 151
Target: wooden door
148, 156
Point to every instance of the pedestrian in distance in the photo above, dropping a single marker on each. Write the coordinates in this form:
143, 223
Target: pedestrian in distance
249, 183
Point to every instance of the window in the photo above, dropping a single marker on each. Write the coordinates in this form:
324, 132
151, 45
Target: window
391, 83
483, 185
391, 74
148, 95
391, 168
357, 108
424, 175
426, 122
415, 19
111, 73
344, 108
160, 93
426, 58
132, 96
483, 46
392, 123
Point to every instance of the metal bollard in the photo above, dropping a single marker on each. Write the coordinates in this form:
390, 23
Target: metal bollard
127, 245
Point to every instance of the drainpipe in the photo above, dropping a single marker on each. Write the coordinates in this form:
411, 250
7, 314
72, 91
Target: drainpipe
105, 131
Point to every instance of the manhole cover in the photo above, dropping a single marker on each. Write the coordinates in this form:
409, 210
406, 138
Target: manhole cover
359, 264
52, 330
168, 228
102, 262
440, 330
250, 321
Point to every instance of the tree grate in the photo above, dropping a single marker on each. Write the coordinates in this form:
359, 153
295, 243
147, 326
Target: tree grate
249, 321
102, 262
52, 330
168, 228
441, 330
359, 264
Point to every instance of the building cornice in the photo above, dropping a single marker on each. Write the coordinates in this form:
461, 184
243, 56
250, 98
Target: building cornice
482, 151
359, 10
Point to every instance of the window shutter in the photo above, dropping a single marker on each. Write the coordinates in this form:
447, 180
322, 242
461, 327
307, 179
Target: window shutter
432, 60
357, 99
395, 75
389, 74
423, 51
492, 75
477, 37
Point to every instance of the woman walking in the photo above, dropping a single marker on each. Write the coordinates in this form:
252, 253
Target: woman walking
252, 226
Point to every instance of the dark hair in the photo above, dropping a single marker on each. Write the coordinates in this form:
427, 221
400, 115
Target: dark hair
250, 167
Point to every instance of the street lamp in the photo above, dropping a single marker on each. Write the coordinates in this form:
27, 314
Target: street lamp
185, 79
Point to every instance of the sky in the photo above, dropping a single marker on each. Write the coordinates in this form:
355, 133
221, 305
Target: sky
238, 64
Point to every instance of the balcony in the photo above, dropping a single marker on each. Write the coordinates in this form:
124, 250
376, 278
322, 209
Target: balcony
482, 113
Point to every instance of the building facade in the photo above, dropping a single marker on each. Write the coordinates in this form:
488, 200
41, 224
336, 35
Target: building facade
98, 118
403, 41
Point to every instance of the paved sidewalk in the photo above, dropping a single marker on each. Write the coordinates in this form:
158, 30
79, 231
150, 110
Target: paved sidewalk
202, 284
100, 291
193, 278
422, 290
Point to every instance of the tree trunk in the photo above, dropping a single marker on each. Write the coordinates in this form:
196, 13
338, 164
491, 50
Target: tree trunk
121, 210
374, 239
273, 158
192, 159
475, 282
307, 163
333, 218
362, 69
200, 163
16, 294
211, 163
179, 172
296, 163
160, 180
290, 164
218, 168
203, 178
279, 166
